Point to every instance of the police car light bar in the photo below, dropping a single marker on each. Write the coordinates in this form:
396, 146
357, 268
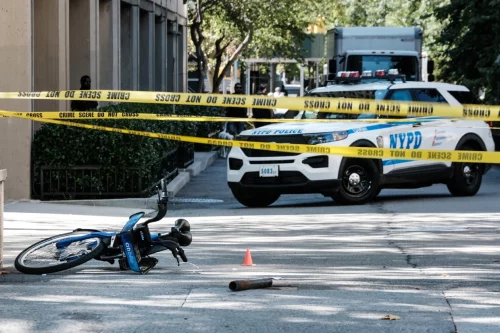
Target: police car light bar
354, 76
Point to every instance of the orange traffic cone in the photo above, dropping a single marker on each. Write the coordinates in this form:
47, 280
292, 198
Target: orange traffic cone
248, 259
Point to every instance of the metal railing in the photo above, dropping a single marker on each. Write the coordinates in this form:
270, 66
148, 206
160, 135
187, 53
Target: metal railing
97, 182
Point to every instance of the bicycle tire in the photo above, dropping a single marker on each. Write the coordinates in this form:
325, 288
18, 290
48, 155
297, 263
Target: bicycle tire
23, 268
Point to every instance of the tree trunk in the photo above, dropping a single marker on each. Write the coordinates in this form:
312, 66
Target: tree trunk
218, 77
210, 81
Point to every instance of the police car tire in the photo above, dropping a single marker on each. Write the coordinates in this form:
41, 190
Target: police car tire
342, 196
458, 185
254, 199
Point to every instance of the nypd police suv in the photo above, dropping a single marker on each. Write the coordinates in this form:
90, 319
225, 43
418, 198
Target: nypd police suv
257, 178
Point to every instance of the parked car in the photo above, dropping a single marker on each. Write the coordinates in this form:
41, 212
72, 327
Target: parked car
293, 90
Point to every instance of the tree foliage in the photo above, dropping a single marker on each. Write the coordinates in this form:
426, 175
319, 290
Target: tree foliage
460, 35
395, 13
222, 30
471, 43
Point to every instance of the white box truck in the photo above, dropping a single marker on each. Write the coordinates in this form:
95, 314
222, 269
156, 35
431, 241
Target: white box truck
360, 49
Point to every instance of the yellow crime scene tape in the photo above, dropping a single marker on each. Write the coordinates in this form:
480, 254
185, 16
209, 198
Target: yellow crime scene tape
320, 104
360, 152
96, 115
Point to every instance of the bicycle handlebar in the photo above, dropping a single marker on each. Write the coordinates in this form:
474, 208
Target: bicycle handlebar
182, 254
162, 203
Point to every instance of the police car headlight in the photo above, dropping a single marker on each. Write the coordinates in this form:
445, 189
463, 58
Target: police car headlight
319, 138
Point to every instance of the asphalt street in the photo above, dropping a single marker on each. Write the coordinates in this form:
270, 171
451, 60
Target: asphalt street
428, 258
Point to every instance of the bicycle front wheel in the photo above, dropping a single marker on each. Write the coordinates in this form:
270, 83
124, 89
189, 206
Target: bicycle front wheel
45, 257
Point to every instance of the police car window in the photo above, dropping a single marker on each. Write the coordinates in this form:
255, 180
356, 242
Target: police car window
464, 97
359, 94
293, 90
380, 94
356, 94
428, 95
400, 95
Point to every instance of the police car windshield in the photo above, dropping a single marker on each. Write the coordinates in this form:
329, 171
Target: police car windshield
361, 94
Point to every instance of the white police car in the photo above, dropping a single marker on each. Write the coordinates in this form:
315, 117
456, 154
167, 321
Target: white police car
257, 178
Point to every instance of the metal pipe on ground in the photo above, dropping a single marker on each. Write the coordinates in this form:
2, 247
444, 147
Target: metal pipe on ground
250, 284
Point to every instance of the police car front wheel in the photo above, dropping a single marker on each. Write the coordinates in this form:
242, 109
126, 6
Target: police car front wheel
359, 182
467, 177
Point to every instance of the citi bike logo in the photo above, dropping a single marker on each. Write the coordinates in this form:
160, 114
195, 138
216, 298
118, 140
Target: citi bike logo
128, 247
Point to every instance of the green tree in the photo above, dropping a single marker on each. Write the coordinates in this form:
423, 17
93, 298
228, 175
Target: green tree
222, 30
471, 40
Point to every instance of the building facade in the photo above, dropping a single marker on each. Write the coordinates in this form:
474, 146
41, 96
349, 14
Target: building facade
50, 44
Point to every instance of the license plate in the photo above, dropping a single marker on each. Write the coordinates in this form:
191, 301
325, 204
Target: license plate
268, 171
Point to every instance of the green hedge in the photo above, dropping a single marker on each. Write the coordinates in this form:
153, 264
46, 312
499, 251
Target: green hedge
65, 146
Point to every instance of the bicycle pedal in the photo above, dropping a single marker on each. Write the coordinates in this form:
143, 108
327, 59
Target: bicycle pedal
147, 264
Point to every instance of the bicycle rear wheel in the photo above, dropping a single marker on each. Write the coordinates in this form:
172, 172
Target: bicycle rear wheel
44, 257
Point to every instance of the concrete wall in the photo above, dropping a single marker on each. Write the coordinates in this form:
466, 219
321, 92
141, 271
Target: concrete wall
182, 58
147, 44
79, 35
50, 52
170, 57
16, 71
109, 44
3, 177
84, 41
160, 68
126, 44
175, 7
130, 52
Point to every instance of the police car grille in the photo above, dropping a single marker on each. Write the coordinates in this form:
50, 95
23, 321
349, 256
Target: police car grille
284, 178
297, 139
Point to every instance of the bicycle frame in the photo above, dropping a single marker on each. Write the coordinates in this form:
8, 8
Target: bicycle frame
127, 243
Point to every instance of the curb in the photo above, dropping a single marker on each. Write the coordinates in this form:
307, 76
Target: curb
202, 160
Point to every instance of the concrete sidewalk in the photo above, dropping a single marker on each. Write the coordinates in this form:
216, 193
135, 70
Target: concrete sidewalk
202, 160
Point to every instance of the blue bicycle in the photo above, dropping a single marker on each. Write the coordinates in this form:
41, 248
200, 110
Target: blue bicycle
131, 247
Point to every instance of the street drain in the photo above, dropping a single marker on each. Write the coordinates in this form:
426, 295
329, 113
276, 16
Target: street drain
195, 200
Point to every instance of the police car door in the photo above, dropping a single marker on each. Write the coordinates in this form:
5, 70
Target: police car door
439, 131
415, 135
